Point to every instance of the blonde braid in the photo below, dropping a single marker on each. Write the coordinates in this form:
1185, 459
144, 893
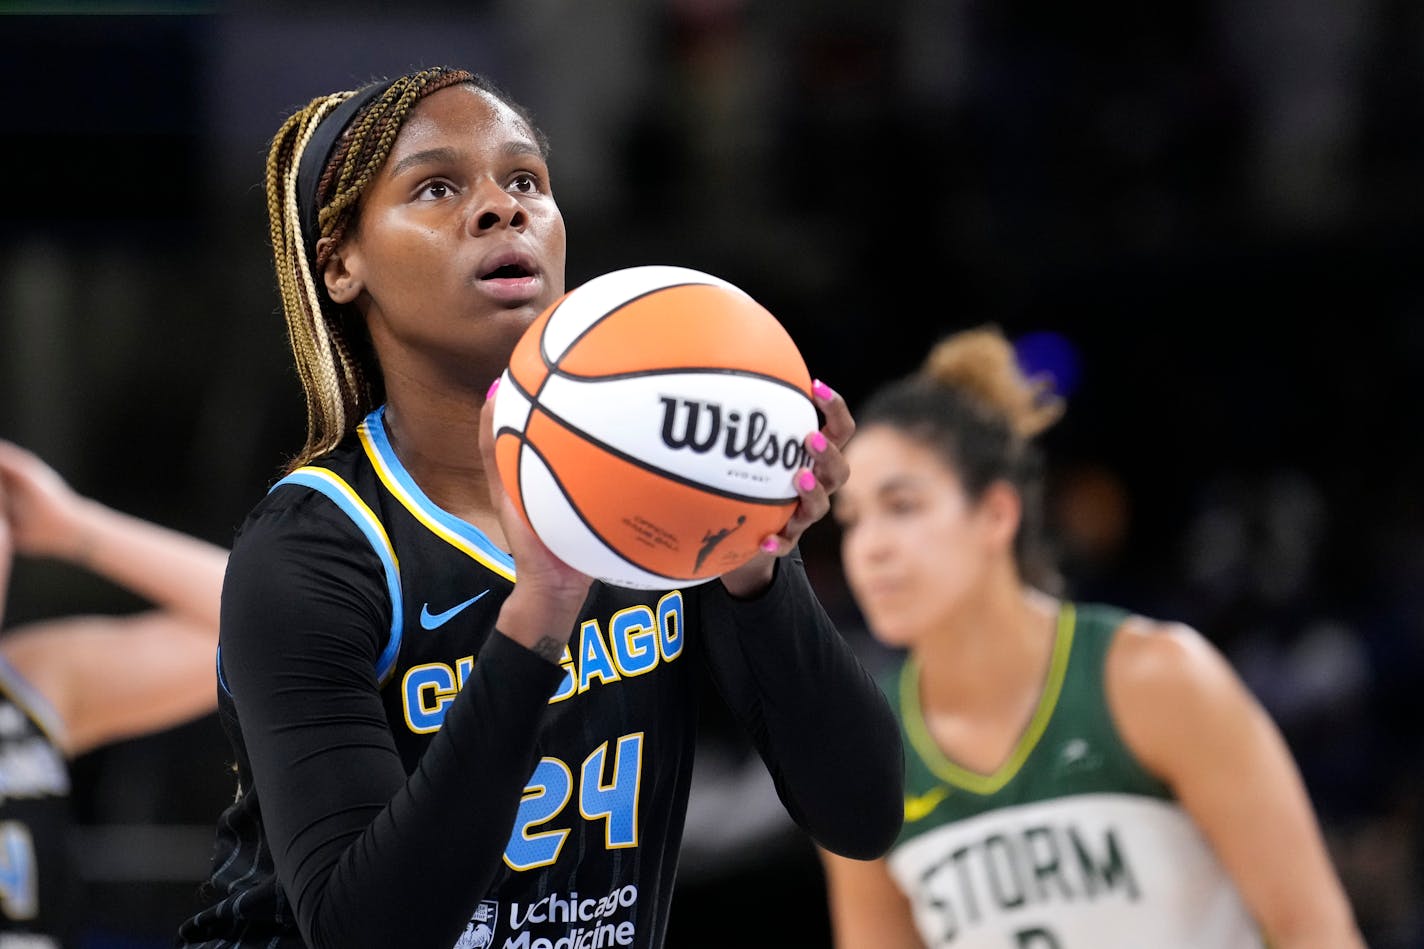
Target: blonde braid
317, 359
339, 374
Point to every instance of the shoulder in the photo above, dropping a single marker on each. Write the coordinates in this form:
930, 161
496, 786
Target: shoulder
1155, 652
302, 537
1168, 687
1147, 655
30, 662
314, 503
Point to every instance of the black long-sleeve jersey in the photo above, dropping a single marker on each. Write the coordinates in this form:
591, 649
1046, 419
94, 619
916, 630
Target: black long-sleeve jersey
409, 777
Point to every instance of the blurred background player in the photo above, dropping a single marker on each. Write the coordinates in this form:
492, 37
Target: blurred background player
71, 684
1077, 776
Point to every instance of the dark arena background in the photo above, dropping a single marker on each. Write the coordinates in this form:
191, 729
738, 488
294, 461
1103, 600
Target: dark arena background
1204, 218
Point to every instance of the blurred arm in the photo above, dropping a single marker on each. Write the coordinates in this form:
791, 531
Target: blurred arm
175, 571
1185, 713
111, 677
868, 910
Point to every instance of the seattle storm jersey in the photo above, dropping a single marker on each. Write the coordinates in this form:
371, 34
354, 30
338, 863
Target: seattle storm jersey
1071, 844
36, 868
586, 854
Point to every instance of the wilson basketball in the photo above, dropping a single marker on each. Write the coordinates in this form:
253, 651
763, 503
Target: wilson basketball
650, 425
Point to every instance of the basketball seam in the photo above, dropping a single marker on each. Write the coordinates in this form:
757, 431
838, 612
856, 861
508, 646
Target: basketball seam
552, 367
672, 371
592, 530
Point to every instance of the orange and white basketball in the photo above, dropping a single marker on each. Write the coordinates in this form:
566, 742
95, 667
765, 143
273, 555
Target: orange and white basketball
650, 425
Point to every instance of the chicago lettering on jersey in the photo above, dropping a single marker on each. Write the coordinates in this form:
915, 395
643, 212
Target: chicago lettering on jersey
633, 642
1004, 873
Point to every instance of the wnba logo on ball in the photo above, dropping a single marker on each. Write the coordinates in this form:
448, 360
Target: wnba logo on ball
757, 442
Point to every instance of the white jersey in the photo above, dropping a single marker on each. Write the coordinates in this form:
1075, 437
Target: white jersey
1107, 871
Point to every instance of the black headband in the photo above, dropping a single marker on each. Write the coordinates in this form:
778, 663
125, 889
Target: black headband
318, 153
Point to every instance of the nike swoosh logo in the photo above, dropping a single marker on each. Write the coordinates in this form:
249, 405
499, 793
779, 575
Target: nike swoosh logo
437, 620
921, 806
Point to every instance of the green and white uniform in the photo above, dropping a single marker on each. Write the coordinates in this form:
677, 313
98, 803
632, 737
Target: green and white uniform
1071, 844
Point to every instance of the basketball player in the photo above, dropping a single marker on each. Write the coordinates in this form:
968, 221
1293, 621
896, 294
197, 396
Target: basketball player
72, 684
1077, 776
443, 734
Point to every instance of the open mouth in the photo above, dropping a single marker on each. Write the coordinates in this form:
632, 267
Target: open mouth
507, 272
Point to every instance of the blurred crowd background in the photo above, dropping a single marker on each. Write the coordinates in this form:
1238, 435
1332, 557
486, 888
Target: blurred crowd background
1203, 217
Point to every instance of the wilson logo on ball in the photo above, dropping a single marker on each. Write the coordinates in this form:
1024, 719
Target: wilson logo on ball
685, 429
650, 425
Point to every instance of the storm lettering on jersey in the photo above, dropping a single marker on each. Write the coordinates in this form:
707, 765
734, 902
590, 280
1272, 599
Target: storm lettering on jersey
638, 640
1005, 873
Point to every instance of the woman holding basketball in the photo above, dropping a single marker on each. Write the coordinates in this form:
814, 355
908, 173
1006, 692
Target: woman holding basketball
1076, 776
442, 733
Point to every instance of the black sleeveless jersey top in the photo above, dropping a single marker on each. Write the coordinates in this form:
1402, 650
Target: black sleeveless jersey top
37, 870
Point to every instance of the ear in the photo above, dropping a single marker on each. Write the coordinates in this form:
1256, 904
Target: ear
342, 271
1001, 509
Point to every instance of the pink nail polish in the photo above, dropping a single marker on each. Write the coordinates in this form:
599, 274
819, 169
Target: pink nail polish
818, 442
806, 481
493, 385
770, 545
822, 391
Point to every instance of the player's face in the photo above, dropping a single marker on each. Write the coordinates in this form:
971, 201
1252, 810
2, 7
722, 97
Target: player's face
459, 243
913, 544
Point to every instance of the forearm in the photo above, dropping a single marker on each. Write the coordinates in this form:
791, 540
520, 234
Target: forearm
176, 571
1343, 934
399, 880
817, 717
6, 559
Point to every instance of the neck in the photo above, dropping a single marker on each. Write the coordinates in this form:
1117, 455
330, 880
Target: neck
436, 436
990, 653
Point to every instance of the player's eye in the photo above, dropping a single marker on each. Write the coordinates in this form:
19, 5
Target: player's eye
434, 191
524, 183
903, 505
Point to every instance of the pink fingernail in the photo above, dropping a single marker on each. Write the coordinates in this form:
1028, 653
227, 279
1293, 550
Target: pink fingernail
493, 385
818, 442
770, 545
822, 391
806, 481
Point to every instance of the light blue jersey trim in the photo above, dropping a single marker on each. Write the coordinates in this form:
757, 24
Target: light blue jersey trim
346, 498
222, 679
459, 533
29, 698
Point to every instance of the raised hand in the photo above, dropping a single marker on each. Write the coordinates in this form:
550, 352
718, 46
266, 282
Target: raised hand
44, 513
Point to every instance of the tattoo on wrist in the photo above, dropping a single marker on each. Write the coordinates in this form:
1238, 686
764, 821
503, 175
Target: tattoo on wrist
549, 648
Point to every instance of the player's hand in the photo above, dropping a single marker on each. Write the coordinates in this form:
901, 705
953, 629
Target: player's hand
44, 513
814, 486
549, 593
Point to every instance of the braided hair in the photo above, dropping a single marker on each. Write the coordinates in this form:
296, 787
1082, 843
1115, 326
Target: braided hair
971, 403
319, 165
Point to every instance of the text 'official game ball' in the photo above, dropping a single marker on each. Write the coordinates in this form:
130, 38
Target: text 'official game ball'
650, 426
